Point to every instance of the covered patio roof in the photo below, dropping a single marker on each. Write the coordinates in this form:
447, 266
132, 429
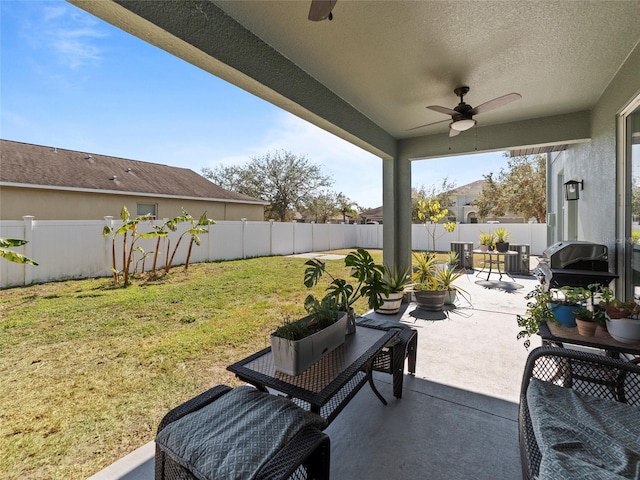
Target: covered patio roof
368, 74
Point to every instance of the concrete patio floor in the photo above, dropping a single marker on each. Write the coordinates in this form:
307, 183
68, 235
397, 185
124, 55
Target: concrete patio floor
457, 418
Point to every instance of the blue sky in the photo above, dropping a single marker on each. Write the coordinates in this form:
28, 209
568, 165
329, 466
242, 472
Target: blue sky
70, 80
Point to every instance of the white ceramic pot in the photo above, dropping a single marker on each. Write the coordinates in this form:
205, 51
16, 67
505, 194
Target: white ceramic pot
625, 330
391, 303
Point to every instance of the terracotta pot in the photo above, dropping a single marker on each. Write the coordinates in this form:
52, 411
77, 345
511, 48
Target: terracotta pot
586, 329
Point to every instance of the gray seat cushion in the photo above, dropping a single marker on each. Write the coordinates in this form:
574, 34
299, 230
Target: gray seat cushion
581, 436
233, 437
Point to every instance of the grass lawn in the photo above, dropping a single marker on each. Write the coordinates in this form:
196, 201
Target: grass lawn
88, 370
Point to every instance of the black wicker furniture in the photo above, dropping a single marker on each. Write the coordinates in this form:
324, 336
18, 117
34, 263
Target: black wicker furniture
578, 413
327, 386
256, 449
392, 357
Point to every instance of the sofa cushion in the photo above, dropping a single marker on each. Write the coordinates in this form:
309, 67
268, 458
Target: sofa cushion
581, 436
233, 437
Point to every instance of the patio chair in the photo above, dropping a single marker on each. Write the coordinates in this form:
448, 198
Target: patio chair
241, 433
579, 415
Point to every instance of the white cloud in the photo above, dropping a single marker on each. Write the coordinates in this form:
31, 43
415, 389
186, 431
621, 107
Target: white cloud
68, 34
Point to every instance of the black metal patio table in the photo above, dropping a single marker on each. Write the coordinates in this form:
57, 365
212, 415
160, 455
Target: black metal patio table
499, 264
327, 386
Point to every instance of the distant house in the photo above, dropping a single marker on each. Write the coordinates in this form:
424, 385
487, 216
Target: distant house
56, 184
463, 210
372, 215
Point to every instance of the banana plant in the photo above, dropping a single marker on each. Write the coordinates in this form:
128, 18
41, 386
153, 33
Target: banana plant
129, 226
197, 228
12, 256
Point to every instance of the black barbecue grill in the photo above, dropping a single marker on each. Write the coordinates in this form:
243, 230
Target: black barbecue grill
574, 264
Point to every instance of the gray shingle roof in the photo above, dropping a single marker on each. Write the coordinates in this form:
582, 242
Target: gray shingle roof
36, 165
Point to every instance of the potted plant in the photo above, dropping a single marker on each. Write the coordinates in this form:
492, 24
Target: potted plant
298, 344
587, 320
427, 287
502, 236
487, 241
446, 278
396, 281
538, 311
364, 270
623, 321
565, 300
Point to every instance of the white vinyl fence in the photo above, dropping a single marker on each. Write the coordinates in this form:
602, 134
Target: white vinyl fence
67, 249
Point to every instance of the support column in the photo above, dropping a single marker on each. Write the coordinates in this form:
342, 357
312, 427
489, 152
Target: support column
396, 197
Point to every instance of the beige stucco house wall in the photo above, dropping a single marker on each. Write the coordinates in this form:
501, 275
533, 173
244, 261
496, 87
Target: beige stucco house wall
55, 184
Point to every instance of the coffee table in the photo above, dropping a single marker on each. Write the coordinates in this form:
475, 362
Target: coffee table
327, 386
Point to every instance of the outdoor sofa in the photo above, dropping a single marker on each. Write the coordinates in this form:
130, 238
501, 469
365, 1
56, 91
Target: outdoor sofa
579, 416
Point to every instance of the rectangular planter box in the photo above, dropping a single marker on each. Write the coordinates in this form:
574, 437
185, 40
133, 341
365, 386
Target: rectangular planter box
294, 357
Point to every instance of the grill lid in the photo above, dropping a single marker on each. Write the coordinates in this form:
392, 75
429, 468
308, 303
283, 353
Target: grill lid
577, 255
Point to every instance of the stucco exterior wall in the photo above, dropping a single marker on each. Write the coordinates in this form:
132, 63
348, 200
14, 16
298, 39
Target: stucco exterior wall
596, 163
64, 205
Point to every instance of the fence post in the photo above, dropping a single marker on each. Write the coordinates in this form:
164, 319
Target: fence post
244, 223
313, 247
108, 221
271, 237
294, 237
28, 248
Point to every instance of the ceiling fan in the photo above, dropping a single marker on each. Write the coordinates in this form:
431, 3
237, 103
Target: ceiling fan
462, 115
321, 10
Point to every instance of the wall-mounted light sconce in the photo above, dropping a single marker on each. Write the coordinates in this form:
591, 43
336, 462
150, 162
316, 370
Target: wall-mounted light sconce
571, 191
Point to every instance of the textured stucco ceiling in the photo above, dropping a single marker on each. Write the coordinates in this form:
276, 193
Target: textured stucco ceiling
389, 59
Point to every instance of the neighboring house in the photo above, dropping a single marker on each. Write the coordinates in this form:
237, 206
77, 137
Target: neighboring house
56, 184
372, 215
462, 209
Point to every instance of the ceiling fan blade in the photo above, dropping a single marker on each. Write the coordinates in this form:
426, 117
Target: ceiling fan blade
321, 10
439, 109
495, 103
429, 124
453, 132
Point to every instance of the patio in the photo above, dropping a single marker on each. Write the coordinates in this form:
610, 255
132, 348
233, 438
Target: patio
457, 418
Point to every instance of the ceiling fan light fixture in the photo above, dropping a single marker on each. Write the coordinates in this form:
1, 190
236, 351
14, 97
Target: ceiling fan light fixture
464, 124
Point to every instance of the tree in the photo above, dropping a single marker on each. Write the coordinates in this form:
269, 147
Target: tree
346, 206
520, 189
279, 177
321, 206
432, 213
436, 192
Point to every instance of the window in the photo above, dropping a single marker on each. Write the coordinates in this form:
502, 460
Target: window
147, 208
632, 231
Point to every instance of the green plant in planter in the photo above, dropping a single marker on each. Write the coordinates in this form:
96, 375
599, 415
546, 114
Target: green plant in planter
587, 315
502, 234
619, 309
324, 314
446, 277
364, 270
487, 239
538, 311
396, 280
425, 275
